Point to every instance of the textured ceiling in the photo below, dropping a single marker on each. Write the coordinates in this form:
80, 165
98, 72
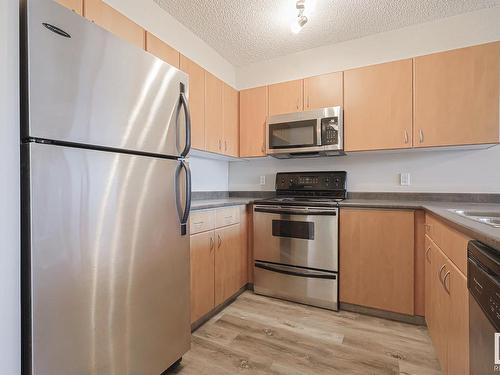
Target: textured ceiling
247, 31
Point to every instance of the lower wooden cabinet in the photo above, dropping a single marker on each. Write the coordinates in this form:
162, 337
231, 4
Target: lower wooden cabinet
376, 259
227, 259
218, 257
202, 274
447, 307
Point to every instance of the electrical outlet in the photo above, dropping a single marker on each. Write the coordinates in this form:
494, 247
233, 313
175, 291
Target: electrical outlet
404, 179
262, 180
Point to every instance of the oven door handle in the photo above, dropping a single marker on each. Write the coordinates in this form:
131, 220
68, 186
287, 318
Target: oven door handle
295, 211
294, 271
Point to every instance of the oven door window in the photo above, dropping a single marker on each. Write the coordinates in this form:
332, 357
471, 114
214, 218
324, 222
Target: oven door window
293, 134
293, 229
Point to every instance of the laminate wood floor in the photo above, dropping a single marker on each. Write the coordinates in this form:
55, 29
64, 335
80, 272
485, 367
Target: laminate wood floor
260, 335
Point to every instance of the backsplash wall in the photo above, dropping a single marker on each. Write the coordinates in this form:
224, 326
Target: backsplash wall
209, 174
453, 171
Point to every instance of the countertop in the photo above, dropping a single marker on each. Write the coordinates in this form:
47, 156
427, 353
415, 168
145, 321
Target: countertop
486, 234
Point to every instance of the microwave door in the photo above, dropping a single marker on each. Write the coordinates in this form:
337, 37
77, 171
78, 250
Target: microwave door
294, 135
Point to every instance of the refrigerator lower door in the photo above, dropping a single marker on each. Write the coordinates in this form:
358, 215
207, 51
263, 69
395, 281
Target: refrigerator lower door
109, 269
87, 86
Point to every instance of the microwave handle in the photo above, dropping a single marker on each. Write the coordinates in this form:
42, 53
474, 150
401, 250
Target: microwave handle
319, 132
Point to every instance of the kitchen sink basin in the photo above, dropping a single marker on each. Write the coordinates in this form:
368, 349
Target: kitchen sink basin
491, 218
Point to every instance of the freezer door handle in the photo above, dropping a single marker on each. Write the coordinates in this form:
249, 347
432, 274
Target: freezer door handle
184, 212
294, 271
187, 114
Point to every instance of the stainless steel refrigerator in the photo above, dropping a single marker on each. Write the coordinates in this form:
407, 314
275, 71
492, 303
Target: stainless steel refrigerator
105, 201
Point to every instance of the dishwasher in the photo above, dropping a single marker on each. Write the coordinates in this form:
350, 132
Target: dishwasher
483, 282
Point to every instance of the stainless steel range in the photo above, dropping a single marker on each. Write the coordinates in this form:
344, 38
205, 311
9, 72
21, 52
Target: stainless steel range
296, 238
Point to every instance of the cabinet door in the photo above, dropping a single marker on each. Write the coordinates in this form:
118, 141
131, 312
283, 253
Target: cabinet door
440, 306
458, 321
196, 101
105, 16
227, 255
324, 91
202, 274
253, 114
214, 128
74, 5
230, 102
457, 97
162, 50
378, 107
377, 259
286, 97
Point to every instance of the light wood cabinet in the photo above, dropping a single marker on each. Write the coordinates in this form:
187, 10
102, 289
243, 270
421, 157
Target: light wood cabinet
286, 97
323, 91
74, 5
196, 101
227, 258
230, 119
162, 50
457, 97
253, 114
202, 274
377, 259
447, 306
214, 127
105, 16
378, 107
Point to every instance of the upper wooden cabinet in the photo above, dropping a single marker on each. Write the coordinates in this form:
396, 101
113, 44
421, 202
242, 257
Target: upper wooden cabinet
377, 259
286, 97
324, 91
214, 127
196, 101
230, 103
162, 50
378, 107
253, 114
457, 97
75, 5
105, 16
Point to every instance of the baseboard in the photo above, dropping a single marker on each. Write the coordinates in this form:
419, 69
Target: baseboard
411, 319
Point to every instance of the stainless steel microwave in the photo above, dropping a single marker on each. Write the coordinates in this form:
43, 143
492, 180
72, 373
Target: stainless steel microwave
306, 134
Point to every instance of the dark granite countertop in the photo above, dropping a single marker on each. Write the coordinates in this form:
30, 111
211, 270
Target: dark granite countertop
479, 231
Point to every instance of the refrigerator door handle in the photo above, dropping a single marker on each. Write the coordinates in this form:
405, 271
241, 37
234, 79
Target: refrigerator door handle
185, 105
184, 212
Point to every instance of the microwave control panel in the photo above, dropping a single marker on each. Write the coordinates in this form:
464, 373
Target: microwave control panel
329, 131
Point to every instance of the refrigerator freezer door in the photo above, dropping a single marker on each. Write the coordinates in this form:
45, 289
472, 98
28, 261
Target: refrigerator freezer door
109, 268
91, 87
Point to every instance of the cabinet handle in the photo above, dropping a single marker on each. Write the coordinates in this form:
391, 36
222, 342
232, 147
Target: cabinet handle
447, 288
421, 135
220, 145
199, 223
427, 254
441, 271
427, 227
220, 241
308, 104
225, 145
212, 243
406, 136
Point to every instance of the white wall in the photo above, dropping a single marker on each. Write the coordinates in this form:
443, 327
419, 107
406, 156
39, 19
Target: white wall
209, 174
448, 33
10, 341
457, 171
153, 18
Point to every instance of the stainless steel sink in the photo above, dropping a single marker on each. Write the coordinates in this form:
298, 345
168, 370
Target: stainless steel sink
491, 218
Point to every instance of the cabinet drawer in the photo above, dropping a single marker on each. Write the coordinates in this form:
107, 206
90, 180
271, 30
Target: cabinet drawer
452, 242
227, 216
202, 221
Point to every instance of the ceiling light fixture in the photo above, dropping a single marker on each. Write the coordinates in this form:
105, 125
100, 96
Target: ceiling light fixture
301, 19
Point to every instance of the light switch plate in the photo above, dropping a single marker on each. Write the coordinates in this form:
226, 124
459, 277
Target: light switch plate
262, 180
404, 179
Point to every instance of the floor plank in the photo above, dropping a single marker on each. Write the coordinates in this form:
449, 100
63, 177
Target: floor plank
261, 335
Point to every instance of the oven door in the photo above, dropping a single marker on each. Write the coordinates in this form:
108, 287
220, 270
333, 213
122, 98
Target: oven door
297, 236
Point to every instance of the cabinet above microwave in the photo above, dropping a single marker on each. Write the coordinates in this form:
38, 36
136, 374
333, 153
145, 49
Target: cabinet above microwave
306, 134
